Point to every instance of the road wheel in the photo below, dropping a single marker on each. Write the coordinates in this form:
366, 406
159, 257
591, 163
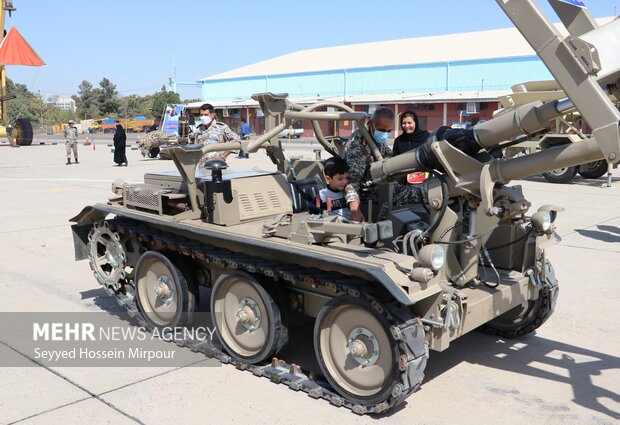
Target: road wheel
561, 175
247, 320
22, 132
594, 170
355, 350
163, 293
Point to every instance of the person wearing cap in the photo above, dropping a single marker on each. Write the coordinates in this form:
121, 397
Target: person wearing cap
71, 136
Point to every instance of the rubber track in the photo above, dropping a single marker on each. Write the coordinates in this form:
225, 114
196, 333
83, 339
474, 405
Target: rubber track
549, 294
279, 371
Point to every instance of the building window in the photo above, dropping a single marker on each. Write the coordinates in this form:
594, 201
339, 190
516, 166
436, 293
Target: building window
472, 107
423, 121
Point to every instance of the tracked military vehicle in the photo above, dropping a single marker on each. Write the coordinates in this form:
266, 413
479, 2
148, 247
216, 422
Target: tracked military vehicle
382, 294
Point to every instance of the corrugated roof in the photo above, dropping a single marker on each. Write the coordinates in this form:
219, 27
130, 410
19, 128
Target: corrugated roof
401, 98
500, 43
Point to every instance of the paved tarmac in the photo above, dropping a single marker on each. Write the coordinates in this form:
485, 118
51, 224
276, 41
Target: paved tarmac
568, 372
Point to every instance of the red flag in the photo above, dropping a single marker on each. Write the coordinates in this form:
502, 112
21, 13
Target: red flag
15, 50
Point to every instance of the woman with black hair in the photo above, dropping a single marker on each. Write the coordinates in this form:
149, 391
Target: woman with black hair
120, 143
412, 135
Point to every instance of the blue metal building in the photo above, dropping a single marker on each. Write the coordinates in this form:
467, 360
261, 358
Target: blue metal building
454, 74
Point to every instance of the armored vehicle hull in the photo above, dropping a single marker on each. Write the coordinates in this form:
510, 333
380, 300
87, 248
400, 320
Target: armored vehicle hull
363, 299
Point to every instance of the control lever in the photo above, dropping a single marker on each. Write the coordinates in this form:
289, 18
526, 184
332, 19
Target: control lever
216, 185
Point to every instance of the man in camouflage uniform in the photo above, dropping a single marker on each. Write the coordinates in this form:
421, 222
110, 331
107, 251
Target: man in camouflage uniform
210, 132
71, 136
359, 157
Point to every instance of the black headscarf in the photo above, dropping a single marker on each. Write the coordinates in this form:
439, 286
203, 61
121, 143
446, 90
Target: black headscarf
119, 137
408, 141
120, 143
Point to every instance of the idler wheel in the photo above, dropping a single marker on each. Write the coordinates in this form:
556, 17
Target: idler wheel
107, 255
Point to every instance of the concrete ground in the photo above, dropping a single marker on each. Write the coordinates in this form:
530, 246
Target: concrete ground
568, 372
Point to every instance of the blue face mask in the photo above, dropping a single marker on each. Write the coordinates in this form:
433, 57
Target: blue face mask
381, 136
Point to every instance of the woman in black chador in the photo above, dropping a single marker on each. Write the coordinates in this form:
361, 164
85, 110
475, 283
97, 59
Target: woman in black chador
120, 143
412, 136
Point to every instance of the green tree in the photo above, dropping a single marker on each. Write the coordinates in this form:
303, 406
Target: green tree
161, 100
107, 98
55, 115
104, 101
23, 106
86, 101
134, 105
147, 102
49, 114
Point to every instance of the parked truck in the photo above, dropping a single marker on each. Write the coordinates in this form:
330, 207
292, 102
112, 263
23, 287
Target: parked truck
137, 124
102, 125
108, 125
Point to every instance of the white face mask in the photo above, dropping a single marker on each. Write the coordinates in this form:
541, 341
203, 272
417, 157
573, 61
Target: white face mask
206, 119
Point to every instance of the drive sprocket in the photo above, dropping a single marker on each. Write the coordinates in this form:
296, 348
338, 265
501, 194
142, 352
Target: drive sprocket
107, 256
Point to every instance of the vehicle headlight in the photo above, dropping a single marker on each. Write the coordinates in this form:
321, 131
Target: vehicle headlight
432, 257
541, 221
553, 210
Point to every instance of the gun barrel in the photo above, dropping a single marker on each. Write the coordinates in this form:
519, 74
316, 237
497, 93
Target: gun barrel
539, 162
526, 119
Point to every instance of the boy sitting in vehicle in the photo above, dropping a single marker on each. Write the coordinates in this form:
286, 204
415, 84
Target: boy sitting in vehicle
332, 197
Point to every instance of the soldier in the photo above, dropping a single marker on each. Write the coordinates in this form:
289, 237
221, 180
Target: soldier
210, 131
71, 136
358, 156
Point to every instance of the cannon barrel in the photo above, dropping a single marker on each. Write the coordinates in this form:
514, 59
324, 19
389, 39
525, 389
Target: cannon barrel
587, 67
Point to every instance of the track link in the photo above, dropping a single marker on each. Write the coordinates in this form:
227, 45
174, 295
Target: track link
549, 291
409, 333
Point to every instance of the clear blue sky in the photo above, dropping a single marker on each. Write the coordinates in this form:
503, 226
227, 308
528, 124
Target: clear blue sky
139, 44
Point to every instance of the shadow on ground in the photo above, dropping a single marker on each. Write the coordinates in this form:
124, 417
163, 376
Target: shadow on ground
520, 355
517, 356
605, 233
